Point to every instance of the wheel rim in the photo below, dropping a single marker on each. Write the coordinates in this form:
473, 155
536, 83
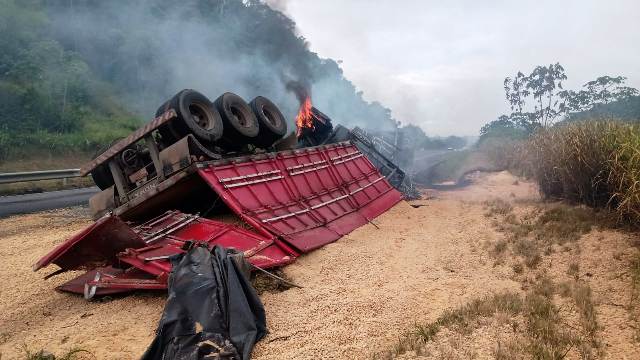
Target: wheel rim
238, 114
202, 116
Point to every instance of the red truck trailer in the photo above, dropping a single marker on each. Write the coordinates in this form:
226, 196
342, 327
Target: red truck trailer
221, 173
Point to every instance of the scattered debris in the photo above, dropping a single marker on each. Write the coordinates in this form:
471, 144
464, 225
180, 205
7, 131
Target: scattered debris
415, 206
276, 277
267, 283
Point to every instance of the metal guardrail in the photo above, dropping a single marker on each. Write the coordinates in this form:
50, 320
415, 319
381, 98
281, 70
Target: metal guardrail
8, 178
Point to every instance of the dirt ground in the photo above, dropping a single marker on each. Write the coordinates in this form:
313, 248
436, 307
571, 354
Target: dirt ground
360, 293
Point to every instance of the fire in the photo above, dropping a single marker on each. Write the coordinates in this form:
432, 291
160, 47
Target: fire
305, 116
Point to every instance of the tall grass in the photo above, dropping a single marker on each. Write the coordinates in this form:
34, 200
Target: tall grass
593, 162
95, 133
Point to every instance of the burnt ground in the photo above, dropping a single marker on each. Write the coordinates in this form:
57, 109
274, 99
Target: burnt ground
360, 295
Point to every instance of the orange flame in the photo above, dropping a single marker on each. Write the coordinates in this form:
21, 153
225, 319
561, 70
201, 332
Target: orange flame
305, 117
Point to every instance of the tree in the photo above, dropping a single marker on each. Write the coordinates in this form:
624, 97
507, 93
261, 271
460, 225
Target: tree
539, 100
605, 89
544, 83
535, 98
516, 92
504, 127
596, 93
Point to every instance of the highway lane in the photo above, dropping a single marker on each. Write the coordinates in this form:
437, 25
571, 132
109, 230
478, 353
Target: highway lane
28, 203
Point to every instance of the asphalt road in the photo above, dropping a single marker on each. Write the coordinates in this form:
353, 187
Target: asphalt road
424, 159
23, 204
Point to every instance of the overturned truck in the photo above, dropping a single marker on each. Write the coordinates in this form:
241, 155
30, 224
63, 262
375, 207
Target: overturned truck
222, 173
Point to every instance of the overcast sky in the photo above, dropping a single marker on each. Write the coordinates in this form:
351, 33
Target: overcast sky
441, 64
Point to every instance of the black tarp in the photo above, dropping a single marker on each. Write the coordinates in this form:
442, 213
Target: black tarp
212, 311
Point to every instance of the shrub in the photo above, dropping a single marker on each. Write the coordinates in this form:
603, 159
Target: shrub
596, 163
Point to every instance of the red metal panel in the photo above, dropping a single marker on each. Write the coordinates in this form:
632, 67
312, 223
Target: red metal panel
113, 281
155, 241
167, 235
308, 197
97, 245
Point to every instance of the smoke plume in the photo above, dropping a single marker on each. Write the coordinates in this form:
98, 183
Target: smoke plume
150, 49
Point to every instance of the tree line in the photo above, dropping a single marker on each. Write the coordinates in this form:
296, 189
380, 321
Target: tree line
539, 100
75, 74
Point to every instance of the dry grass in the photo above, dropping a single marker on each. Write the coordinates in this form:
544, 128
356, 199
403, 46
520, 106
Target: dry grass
497, 207
583, 298
545, 332
509, 350
635, 279
574, 270
533, 234
461, 320
72, 354
634, 304
596, 163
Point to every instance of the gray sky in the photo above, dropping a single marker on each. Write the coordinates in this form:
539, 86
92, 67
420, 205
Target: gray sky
440, 64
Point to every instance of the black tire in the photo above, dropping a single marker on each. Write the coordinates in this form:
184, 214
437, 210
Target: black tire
273, 125
196, 115
167, 131
240, 124
101, 176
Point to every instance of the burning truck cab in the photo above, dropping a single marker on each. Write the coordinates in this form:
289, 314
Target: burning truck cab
223, 173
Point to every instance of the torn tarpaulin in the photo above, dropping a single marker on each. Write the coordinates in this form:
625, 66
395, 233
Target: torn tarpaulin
212, 310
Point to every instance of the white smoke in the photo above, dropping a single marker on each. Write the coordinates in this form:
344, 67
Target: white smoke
164, 46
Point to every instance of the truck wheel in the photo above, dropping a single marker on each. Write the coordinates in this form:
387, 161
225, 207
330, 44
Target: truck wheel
168, 132
196, 115
101, 176
240, 124
272, 123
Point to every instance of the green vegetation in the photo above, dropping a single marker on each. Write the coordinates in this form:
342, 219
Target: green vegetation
595, 163
583, 158
627, 109
538, 100
74, 75
559, 138
50, 101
